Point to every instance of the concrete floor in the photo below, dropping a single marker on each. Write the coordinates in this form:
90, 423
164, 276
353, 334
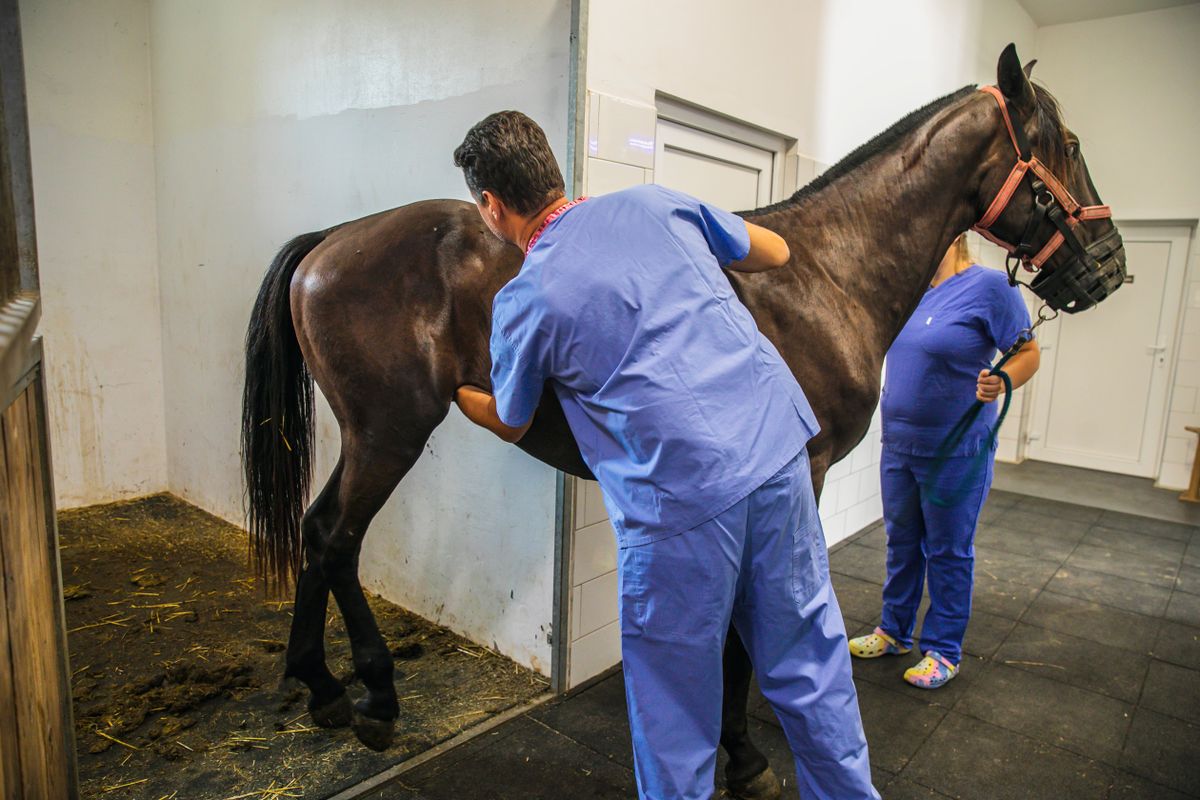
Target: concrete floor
1081, 679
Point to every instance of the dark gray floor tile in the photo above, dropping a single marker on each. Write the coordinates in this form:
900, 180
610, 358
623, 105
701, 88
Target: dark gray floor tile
1188, 579
1005, 566
856, 627
1000, 597
1145, 567
1191, 556
1052, 712
595, 717
1078, 662
887, 672
991, 514
1178, 644
895, 724
1059, 510
1146, 526
998, 498
1174, 691
1136, 543
1184, 608
1021, 520
1164, 750
876, 539
532, 763
1111, 590
968, 758
1044, 545
1127, 786
857, 561
904, 789
858, 599
1090, 620
398, 790
985, 632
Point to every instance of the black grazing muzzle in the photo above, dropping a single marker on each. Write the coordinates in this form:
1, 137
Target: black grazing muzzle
1086, 275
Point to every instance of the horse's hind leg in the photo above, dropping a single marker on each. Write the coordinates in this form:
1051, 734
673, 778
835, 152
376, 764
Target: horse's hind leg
328, 703
748, 776
370, 471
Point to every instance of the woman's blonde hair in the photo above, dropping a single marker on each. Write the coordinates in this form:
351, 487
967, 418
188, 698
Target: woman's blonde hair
961, 250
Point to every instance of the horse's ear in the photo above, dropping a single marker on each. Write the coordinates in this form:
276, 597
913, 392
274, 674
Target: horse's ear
1012, 80
1029, 68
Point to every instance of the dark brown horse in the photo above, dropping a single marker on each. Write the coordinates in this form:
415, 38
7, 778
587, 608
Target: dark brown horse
389, 314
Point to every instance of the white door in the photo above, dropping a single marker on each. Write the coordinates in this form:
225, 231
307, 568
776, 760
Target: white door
727, 173
1101, 394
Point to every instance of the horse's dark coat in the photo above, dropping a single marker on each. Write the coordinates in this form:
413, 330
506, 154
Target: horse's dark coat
392, 312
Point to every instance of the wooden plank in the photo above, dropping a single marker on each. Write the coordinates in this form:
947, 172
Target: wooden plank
37, 657
10, 768
57, 667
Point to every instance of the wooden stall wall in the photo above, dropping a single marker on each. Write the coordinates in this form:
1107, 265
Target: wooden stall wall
35, 700
37, 752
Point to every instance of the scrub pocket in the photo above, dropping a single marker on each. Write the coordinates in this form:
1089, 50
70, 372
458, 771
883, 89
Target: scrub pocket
810, 561
669, 591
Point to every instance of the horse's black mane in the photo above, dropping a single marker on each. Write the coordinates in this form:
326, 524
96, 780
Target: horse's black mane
866, 151
1047, 106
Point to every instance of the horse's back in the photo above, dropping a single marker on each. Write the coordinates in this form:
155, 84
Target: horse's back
393, 310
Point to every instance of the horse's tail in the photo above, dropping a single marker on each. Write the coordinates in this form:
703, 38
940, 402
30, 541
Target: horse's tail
277, 420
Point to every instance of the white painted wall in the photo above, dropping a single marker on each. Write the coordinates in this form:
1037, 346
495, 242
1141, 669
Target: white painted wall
827, 74
279, 117
1130, 85
87, 72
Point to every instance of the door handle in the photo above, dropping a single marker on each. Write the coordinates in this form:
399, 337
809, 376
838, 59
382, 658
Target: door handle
1155, 349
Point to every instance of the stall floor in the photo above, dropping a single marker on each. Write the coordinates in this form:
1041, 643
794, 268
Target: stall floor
1081, 680
177, 654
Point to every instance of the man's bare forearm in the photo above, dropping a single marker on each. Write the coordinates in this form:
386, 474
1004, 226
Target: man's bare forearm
480, 407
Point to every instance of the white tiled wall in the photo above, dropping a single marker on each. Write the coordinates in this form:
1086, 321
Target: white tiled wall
1180, 447
620, 154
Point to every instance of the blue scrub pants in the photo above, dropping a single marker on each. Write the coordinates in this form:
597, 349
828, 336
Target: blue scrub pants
926, 541
762, 563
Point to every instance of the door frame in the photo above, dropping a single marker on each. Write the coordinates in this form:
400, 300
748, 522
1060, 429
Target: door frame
1180, 233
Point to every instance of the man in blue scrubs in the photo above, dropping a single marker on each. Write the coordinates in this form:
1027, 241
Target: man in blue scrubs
696, 431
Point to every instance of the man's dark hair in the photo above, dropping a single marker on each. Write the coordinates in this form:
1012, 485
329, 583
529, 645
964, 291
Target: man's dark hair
508, 155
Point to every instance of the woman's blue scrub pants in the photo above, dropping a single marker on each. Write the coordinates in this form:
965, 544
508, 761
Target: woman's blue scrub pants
763, 564
929, 542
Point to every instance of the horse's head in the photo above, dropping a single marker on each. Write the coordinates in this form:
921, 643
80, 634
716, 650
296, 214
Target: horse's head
1038, 201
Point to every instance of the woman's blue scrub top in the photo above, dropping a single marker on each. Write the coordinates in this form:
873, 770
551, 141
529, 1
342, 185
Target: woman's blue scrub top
933, 366
680, 406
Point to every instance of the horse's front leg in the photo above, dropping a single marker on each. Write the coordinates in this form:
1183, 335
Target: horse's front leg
748, 776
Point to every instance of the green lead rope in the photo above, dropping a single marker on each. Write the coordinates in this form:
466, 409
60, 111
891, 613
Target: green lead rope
963, 426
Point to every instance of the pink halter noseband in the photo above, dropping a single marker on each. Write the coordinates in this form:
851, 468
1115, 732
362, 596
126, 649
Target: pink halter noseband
1070, 289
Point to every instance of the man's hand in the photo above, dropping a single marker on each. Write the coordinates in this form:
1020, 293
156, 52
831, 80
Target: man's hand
989, 386
480, 407
768, 250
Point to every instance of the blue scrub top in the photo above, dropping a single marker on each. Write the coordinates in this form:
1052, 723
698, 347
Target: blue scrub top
680, 406
933, 366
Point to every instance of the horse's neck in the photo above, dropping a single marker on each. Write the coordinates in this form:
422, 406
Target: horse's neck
877, 233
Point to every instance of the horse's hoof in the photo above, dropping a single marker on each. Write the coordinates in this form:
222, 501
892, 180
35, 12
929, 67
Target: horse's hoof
374, 733
763, 786
334, 714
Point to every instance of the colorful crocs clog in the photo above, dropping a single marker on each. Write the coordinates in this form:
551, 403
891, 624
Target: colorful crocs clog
876, 644
931, 671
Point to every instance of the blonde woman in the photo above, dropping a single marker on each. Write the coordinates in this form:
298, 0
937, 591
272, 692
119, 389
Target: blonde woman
936, 368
